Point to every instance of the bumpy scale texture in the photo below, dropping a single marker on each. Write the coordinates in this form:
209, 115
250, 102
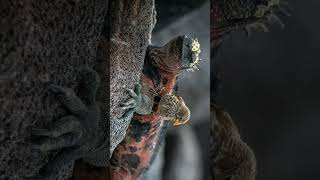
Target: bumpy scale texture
146, 131
162, 65
42, 42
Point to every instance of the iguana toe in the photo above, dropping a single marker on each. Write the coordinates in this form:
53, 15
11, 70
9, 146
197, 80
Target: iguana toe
69, 99
49, 143
67, 124
134, 102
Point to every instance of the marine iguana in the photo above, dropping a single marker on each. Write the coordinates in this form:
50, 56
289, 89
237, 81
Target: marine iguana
81, 135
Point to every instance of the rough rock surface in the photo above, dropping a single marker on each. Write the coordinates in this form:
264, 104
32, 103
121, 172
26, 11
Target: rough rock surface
130, 33
42, 42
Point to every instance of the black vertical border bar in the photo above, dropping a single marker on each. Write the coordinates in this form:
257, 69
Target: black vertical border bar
213, 87
103, 69
214, 68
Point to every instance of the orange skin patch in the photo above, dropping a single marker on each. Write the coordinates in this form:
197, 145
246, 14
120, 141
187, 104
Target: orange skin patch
133, 154
143, 149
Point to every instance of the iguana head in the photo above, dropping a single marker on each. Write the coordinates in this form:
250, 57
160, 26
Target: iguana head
181, 53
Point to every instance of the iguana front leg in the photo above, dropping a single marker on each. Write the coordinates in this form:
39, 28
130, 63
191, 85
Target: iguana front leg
140, 103
77, 134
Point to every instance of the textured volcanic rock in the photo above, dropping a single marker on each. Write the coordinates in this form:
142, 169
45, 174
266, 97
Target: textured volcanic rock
42, 42
130, 32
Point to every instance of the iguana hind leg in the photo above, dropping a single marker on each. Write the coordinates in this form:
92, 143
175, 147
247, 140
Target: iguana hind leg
79, 134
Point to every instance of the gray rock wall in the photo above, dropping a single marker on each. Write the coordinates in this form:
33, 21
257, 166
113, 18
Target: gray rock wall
130, 31
42, 42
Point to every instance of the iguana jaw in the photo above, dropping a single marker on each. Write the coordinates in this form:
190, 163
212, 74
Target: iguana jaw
189, 53
181, 53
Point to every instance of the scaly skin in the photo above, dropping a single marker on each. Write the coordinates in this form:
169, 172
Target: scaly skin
231, 158
162, 65
134, 154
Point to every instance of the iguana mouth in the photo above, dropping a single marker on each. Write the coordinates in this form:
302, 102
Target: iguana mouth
189, 53
181, 53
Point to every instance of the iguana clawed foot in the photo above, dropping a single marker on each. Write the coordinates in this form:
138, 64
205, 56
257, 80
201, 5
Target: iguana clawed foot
76, 135
135, 98
138, 103
73, 129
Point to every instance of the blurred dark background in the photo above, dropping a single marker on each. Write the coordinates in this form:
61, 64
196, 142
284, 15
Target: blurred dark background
169, 11
270, 85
